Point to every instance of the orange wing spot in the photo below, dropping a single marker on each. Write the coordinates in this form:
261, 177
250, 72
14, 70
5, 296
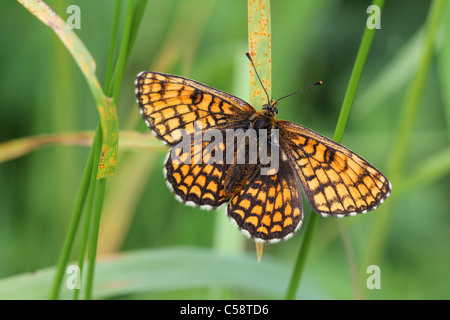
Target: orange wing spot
378, 182
364, 191
276, 228
183, 188
161, 129
204, 103
272, 192
182, 109
368, 182
256, 210
207, 169
196, 170
188, 180
320, 173
263, 230
334, 177
201, 181
177, 177
314, 184
320, 199
266, 220
262, 196
253, 220
187, 118
211, 121
240, 212
215, 108
309, 147
212, 186
144, 101
277, 217
330, 193
287, 222
185, 170
269, 206
303, 162
173, 123
352, 175
299, 140
209, 196
216, 173
227, 108
348, 202
196, 190
341, 189
286, 193
153, 96
336, 207
278, 201
296, 212
288, 210
245, 204
253, 192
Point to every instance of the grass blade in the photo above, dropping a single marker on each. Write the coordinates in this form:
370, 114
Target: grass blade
313, 220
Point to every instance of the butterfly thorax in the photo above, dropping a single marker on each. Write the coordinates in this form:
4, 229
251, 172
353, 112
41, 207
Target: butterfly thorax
265, 119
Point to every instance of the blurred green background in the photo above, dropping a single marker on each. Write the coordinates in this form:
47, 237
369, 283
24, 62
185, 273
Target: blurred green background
42, 91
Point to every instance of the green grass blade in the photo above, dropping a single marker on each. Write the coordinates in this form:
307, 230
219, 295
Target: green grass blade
80, 200
313, 220
162, 270
112, 44
400, 143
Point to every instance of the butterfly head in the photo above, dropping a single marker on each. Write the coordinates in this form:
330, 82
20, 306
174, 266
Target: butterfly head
271, 108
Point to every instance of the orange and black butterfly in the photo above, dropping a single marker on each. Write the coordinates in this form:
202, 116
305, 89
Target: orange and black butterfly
267, 207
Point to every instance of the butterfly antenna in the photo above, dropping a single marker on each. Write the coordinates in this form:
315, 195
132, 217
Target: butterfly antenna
318, 83
254, 68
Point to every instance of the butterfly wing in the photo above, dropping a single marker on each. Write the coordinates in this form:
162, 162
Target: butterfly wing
268, 208
170, 103
336, 181
193, 180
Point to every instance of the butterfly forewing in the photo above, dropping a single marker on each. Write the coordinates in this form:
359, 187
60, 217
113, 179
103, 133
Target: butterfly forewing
169, 103
336, 180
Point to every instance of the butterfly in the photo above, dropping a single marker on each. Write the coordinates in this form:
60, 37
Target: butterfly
266, 207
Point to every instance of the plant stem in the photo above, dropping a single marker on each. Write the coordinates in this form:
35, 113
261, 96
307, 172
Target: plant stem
259, 46
313, 220
400, 144
93, 237
76, 213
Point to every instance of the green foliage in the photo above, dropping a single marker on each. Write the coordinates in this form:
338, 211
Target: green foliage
44, 92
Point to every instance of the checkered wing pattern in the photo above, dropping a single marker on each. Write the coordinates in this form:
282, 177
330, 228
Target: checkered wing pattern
169, 103
336, 181
194, 180
269, 207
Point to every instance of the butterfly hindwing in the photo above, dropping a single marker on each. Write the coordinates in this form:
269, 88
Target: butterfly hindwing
336, 180
268, 207
194, 180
